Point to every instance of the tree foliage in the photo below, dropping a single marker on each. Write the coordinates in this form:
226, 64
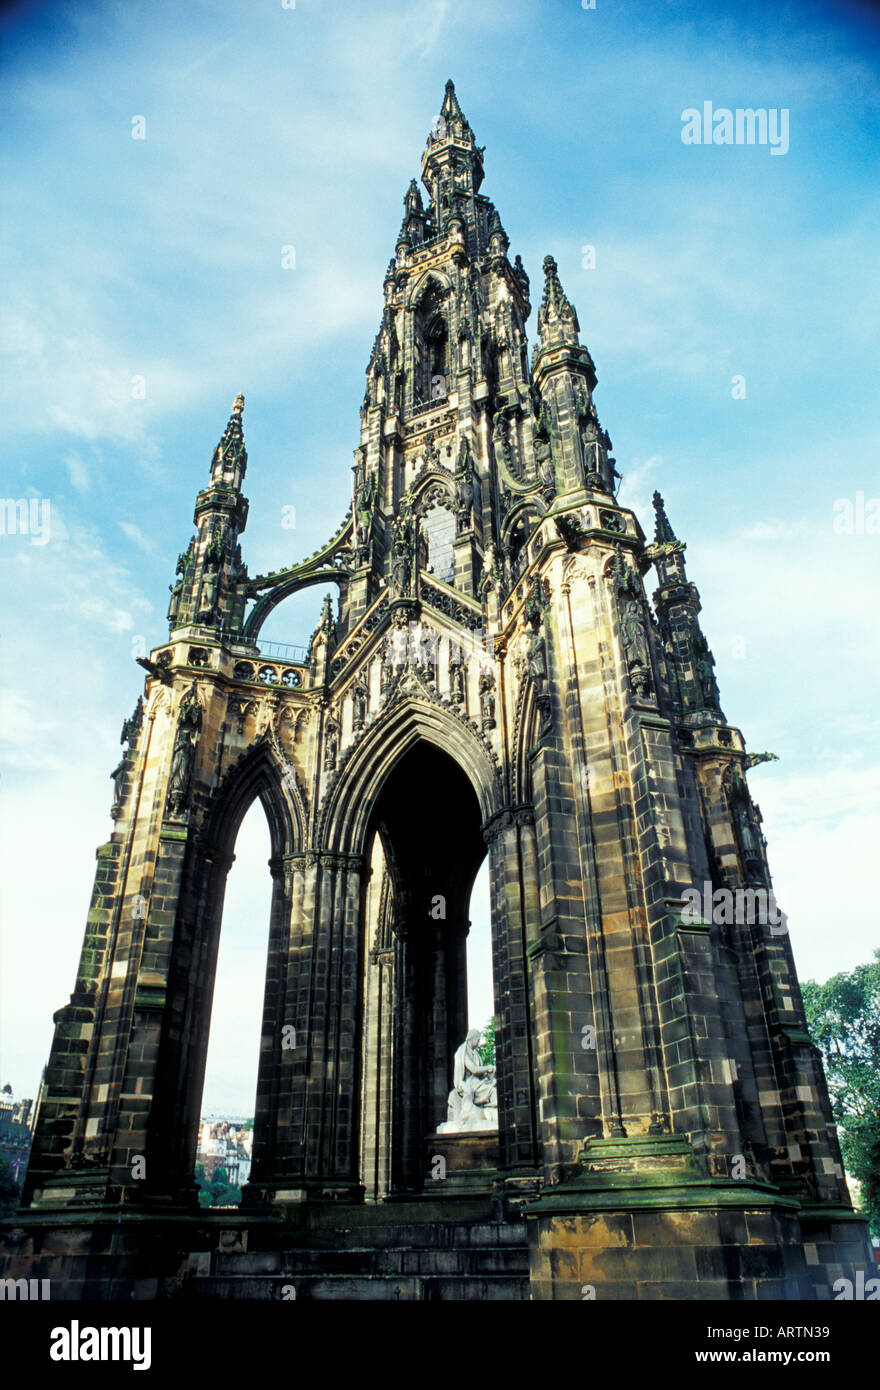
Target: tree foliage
9, 1189
486, 1048
219, 1192
843, 1016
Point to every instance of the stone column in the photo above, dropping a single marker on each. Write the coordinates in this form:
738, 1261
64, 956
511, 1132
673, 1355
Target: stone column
512, 869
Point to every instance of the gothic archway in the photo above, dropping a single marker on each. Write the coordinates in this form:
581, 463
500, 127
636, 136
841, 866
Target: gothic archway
426, 846
174, 1116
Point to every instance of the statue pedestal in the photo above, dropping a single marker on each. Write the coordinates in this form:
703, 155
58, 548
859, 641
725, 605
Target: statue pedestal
461, 1162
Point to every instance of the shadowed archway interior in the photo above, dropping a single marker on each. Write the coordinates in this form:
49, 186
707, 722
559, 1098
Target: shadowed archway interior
425, 849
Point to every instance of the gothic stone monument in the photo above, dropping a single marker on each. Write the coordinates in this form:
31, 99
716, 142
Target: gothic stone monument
494, 681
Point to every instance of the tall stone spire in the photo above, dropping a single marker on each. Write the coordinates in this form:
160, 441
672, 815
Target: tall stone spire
452, 164
230, 457
209, 587
689, 659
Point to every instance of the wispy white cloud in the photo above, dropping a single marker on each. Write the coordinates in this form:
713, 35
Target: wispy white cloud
135, 534
78, 469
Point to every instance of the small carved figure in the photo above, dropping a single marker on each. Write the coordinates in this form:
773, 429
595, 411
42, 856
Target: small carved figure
403, 546
428, 651
131, 727
537, 659
400, 572
210, 586
118, 778
544, 451
491, 571
359, 705
456, 680
331, 747
487, 701
501, 441
189, 723
703, 664
174, 601
635, 637
464, 488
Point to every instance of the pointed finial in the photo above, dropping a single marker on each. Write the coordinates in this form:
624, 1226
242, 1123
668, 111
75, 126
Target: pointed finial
326, 620
412, 199
663, 532
238, 404
553, 292
555, 306
451, 109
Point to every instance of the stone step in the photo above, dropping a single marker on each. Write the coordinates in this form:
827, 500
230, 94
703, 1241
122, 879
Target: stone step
440, 1237
386, 1261
364, 1287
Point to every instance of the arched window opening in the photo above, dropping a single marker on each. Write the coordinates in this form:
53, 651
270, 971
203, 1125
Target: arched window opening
436, 340
431, 348
438, 528
223, 1156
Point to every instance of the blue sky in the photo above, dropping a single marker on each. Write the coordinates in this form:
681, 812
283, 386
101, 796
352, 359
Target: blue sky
161, 258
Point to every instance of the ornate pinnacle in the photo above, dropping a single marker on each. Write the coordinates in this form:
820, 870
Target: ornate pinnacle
553, 292
413, 199
555, 304
450, 105
326, 623
452, 120
495, 228
232, 440
663, 532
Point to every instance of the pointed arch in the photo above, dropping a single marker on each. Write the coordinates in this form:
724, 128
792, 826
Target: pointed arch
345, 813
261, 772
433, 279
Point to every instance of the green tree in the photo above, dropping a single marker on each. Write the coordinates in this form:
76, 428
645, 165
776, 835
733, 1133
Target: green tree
10, 1191
843, 1017
219, 1192
486, 1048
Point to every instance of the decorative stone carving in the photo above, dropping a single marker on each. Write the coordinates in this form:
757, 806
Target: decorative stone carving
189, 723
118, 779
570, 529
704, 663
464, 488
635, 646
403, 547
543, 435
331, 745
487, 700
132, 727
456, 678
359, 700
364, 506
536, 660
473, 1100
174, 601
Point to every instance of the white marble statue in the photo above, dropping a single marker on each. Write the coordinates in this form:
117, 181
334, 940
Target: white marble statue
473, 1100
